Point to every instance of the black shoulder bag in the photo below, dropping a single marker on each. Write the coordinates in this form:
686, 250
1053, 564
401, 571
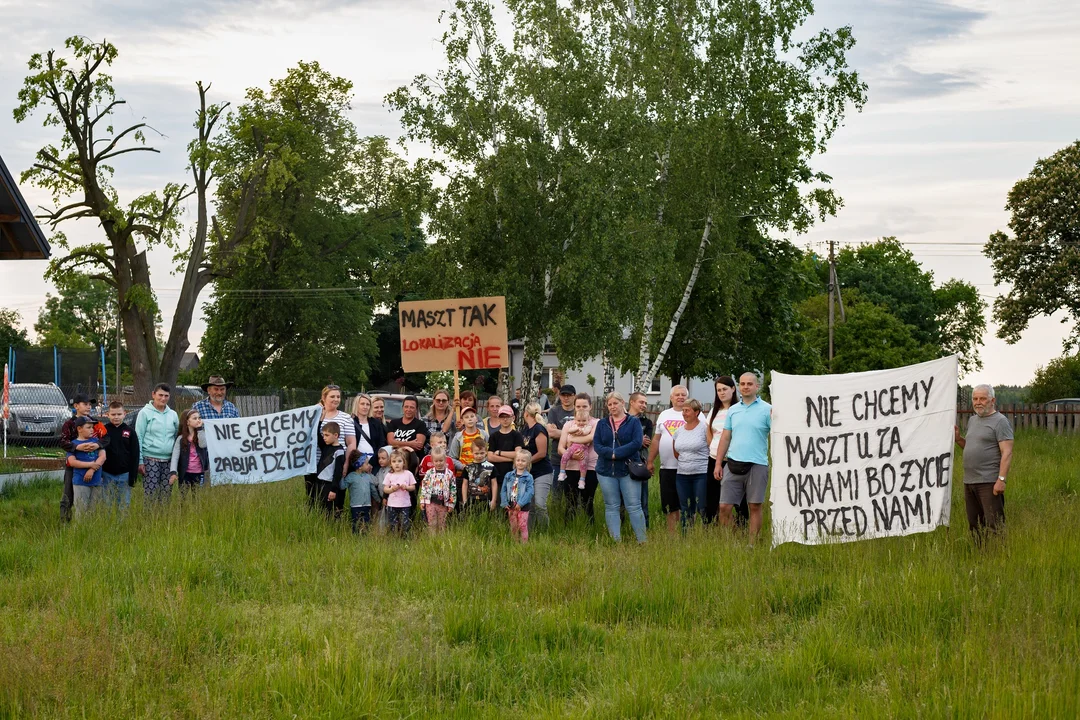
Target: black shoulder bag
638, 470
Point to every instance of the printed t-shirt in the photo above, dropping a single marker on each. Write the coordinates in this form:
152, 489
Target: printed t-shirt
467, 447
478, 475
407, 431
504, 442
667, 425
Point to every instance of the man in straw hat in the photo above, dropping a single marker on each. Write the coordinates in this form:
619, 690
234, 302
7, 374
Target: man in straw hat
216, 407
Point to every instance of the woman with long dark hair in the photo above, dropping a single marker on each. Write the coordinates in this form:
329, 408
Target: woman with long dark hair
726, 397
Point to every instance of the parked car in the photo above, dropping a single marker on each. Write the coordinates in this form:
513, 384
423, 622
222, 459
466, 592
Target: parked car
393, 404
1063, 401
38, 412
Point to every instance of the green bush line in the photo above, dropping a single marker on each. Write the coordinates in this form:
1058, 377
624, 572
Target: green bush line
239, 603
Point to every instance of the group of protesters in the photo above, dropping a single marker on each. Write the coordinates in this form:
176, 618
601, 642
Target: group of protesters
106, 457
451, 461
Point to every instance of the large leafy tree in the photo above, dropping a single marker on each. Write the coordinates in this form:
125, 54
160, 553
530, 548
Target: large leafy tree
1040, 260
871, 337
950, 318
11, 335
337, 215
77, 98
609, 159
81, 314
1059, 378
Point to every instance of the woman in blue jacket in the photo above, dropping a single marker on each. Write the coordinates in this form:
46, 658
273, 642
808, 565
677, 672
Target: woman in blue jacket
616, 440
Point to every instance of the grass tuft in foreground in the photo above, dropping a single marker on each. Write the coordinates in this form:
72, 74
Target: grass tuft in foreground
238, 603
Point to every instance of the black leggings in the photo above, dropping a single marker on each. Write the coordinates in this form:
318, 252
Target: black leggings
576, 498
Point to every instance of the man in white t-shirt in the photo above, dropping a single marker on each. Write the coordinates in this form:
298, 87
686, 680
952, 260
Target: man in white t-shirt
663, 444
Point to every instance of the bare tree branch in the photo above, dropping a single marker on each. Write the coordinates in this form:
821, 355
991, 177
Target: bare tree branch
104, 153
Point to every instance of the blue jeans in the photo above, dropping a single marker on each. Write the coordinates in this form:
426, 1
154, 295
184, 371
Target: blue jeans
618, 492
692, 490
116, 490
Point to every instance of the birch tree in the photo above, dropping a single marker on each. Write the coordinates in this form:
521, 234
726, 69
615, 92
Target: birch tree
730, 109
605, 162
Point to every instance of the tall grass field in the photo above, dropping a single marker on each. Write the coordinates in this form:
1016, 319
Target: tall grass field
238, 603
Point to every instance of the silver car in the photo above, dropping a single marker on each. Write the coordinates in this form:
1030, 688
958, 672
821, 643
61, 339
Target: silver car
38, 412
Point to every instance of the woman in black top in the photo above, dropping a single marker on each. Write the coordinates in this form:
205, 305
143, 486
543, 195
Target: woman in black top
536, 442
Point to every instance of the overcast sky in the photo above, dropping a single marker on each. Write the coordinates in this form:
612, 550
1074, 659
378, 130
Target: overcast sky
964, 98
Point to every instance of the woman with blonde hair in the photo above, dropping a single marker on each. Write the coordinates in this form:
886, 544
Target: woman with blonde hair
616, 440
332, 412
370, 432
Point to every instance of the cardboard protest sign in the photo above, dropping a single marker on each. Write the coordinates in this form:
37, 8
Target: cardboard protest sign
862, 455
262, 449
453, 334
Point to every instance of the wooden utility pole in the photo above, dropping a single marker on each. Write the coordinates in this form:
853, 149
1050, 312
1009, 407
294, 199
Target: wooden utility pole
832, 289
834, 297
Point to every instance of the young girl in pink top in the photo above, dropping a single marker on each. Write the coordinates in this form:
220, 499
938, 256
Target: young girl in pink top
397, 485
190, 461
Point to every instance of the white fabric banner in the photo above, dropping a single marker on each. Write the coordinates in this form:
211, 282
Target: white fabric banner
263, 449
862, 455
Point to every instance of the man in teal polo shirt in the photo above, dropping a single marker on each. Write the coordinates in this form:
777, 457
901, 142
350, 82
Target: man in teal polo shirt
745, 445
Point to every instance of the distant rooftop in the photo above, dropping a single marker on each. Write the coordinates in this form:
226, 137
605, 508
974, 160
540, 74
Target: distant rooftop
20, 235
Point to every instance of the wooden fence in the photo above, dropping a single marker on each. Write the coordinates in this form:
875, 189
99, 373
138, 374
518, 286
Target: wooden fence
1052, 418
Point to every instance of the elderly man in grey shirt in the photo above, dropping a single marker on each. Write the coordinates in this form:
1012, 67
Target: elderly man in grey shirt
988, 448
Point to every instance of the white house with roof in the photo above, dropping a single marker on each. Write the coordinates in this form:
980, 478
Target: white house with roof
702, 390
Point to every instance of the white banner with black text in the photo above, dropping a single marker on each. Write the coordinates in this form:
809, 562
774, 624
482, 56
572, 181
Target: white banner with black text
263, 449
862, 455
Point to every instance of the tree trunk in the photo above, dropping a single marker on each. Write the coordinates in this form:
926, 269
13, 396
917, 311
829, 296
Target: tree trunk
646, 381
531, 367
643, 354
609, 374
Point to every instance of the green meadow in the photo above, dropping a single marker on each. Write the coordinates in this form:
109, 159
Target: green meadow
238, 603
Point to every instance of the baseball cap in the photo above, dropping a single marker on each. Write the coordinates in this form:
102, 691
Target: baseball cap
506, 411
82, 420
567, 390
468, 409
81, 398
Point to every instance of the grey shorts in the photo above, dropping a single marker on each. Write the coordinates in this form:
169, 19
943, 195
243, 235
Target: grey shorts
752, 485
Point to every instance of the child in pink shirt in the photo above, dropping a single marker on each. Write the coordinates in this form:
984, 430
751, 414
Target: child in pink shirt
397, 485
